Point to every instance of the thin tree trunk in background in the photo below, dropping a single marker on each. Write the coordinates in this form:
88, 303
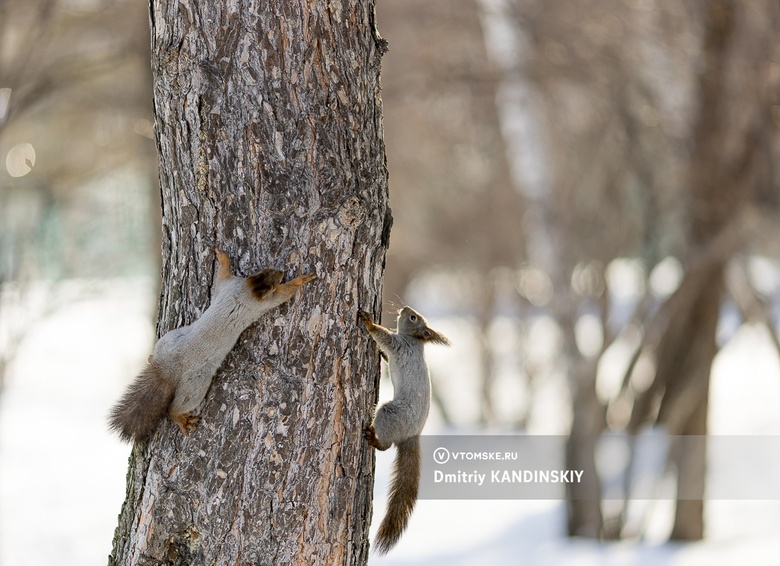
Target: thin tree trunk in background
685, 356
269, 133
691, 472
584, 516
723, 173
485, 311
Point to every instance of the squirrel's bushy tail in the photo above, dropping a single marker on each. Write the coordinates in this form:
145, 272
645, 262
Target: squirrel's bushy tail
143, 405
403, 494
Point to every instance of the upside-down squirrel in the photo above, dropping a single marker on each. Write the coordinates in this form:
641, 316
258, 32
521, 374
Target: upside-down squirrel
401, 420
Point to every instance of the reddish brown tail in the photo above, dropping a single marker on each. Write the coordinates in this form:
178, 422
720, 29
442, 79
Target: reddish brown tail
143, 405
403, 494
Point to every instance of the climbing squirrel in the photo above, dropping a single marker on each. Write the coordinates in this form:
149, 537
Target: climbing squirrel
401, 420
185, 359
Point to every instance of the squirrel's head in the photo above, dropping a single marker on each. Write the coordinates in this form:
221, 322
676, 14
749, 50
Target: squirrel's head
412, 323
264, 282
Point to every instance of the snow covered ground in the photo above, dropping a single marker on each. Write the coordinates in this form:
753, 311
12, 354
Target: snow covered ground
62, 475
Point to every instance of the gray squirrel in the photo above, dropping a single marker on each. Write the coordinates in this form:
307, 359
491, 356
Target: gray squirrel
185, 360
401, 420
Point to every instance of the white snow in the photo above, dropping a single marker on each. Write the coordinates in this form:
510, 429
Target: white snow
62, 474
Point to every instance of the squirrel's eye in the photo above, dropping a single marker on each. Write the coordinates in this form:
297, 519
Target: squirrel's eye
413, 318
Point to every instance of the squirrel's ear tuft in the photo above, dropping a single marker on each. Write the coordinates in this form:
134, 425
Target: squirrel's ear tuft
429, 335
264, 282
423, 334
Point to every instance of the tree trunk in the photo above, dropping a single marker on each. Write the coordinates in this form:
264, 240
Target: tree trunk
269, 134
584, 516
685, 357
724, 174
691, 471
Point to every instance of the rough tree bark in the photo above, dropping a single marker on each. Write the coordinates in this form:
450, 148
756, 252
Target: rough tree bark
269, 134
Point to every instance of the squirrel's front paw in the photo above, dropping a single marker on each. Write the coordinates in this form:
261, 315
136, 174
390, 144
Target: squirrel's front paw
305, 278
365, 318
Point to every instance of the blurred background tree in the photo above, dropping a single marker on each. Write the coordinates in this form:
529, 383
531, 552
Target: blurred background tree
77, 168
640, 138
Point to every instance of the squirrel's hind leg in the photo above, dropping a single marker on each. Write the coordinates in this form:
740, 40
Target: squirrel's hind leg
186, 422
373, 439
223, 272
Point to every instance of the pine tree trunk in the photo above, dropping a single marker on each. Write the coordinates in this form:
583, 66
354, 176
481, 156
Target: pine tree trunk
269, 134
